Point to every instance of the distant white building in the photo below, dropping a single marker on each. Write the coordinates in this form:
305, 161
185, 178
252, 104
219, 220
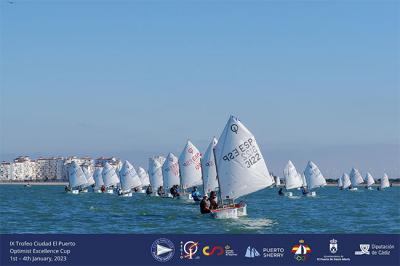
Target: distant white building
5, 171
23, 169
115, 162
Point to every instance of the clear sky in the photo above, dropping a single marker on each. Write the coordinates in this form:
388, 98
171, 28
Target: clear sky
313, 80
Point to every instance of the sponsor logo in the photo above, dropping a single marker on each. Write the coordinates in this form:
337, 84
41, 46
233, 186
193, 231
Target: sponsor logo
333, 249
364, 249
216, 250
229, 251
189, 250
162, 250
234, 128
301, 251
273, 252
190, 150
333, 246
251, 252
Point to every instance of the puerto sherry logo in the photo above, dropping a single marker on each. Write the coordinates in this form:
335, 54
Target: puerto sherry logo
189, 250
216, 251
301, 251
333, 246
273, 252
162, 250
251, 252
364, 250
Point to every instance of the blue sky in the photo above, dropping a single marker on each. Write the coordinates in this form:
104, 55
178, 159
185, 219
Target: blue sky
312, 80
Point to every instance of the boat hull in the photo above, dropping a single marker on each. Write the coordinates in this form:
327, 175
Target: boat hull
311, 194
85, 190
370, 188
75, 191
110, 191
185, 197
230, 212
97, 191
289, 194
129, 194
353, 189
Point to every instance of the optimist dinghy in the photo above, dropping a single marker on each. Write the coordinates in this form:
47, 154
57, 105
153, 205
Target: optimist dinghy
98, 179
340, 183
293, 179
110, 178
89, 177
210, 181
170, 171
370, 181
314, 178
77, 179
155, 173
384, 182
241, 169
356, 179
346, 181
129, 180
144, 178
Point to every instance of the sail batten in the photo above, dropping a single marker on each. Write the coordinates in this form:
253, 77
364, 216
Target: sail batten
241, 167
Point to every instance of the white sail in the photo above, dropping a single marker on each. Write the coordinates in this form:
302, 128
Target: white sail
369, 180
340, 182
346, 181
240, 164
170, 171
355, 177
144, 176
129, 177
303, 179
190, 166
155, 171
110, 177
98, 178
277, 181
292, 177
210, 181
385, 182
314, 176
76, 176
88, 175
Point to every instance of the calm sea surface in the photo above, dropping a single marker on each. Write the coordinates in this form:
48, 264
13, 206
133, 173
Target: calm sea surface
48, 209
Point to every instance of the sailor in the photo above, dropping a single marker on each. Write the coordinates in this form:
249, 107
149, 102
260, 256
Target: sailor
196, 194
160, 191
280, 192
174, 191
213, 200
149, 190
304, 191
204, 207
103, 188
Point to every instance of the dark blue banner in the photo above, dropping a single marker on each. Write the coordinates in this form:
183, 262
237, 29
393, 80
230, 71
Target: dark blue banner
108, 249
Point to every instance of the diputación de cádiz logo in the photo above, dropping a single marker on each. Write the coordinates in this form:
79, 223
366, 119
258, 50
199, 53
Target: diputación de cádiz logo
301, 251
162, 250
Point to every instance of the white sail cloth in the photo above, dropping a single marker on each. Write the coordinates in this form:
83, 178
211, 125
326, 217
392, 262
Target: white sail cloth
369, 180
277, 181
355, 177
240, 164
340, 181
385, 182
190, 166
98, 178
170, 171
210, 181
110, 177
292, 177
129, 177
144, 176
155, 171
314, 176
88, 175
76, 176
346, 180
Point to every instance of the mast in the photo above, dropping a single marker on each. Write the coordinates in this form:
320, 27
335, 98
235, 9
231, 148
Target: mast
219, 186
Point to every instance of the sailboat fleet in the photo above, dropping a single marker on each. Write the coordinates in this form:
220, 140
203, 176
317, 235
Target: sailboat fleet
231, 167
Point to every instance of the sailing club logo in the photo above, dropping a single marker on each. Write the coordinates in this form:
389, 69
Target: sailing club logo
364, 250
234, 128
216, 250
162, 250
189, 250
301, 251
251, 252
333, 246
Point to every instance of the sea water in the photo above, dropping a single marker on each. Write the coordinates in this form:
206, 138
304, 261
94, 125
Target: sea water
48, 209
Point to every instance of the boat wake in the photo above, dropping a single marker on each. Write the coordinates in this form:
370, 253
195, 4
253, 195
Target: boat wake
255, 224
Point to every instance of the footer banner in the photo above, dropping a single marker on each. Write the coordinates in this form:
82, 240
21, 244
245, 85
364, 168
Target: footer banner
168, 249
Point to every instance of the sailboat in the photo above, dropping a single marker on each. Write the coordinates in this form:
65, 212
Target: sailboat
110, 178
303, 179
241, 169
277, 181
129, 180
155, 173
98, 179
340, 182
355, 178
190, 170
314, 178
210, 181
170, 171
370, 181
384, 182
76, 177
292, 178
144, 178
346, 181
89, 177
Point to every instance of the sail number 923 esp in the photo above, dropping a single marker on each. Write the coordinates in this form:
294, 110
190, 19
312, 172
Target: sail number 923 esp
248, 151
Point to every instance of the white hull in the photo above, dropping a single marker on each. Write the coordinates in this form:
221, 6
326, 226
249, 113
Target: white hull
353, 189
110, 191
129, 194
141, 191
85, 190
289, 194
229, 212
169, 195
75, 191
370, 188
311, 194
97, 191
185, 197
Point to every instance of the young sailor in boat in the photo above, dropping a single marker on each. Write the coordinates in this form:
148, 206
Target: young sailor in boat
204, 207
280, 192
196, 194
174, 191
149, 190
103, 188
160, 191
213, 200
304, 191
